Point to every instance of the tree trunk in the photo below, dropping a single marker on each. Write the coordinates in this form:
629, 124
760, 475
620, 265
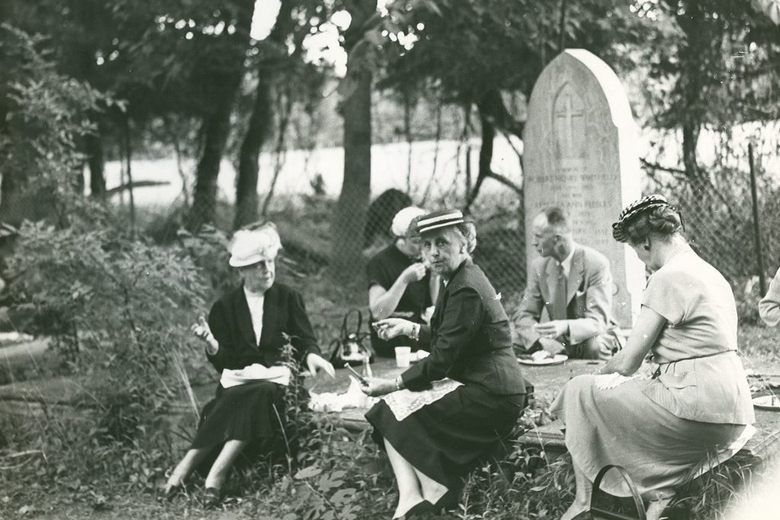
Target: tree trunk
492, 107
216, 124
690, 132
350, 215
260, 124
96, 162
488, 133
356, 189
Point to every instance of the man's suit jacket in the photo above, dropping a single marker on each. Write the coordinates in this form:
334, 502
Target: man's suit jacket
588, 296
283, 312
470, 338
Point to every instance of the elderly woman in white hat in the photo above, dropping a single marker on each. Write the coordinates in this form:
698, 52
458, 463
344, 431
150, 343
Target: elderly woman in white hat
246, 331
399, 284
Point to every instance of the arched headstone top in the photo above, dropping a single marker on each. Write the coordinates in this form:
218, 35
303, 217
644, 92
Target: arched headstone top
592, 72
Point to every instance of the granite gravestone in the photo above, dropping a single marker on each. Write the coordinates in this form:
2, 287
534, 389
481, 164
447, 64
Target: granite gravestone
580, 145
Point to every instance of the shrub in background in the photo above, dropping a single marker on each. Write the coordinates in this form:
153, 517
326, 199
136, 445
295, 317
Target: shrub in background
120, 310
43, 116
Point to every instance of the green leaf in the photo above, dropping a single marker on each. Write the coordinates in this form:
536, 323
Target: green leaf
308, 472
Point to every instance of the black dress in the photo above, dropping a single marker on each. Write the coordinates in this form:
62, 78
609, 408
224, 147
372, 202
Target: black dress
470, 343
383, 270
253, 411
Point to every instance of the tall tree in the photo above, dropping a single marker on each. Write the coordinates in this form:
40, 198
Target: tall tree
473, 50
715, 65
81, 36
222, 79
350, 214
279, 61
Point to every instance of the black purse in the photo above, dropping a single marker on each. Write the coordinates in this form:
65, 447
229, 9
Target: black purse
598, 512
351, 348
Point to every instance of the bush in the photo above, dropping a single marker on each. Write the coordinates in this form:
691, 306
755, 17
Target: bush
120, 311
44, 115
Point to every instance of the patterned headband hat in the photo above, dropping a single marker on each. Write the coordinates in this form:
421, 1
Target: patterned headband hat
635, 209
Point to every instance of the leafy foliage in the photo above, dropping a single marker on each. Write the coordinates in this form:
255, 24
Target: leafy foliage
43, 119
120, 312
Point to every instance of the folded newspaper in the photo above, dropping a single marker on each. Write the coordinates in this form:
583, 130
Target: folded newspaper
255, 372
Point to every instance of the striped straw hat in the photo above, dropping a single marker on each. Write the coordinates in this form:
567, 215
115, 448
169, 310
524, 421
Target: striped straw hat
440, 219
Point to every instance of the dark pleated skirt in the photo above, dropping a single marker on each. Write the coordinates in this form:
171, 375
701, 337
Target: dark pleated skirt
447, 438
244, 412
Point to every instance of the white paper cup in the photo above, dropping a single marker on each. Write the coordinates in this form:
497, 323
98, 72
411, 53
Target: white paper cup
403, 356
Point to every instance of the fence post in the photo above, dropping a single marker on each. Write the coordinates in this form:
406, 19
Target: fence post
756, 229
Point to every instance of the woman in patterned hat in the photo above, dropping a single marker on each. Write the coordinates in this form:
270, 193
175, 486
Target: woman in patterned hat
696, 405
244, 337
438, 418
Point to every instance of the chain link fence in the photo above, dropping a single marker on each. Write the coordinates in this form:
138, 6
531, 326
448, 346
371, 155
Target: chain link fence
717, 209
736, 234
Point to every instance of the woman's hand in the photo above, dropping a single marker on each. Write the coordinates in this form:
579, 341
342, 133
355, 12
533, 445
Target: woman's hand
377, 386
315, 363
390, 328
201, 329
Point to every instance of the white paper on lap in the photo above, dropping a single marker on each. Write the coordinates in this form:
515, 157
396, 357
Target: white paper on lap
404, 403
255, 372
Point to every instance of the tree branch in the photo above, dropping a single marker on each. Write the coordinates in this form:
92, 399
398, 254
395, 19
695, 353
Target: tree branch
505, 181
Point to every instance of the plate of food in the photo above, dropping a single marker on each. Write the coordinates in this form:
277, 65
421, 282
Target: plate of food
767, 402
541, 358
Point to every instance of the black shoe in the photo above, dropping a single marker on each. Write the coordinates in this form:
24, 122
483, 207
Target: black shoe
211, 497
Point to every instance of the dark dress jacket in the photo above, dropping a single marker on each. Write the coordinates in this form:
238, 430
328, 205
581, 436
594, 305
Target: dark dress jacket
283, 312
470, 338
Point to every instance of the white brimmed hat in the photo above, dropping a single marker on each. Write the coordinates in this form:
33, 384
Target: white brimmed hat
250, 246
403, 219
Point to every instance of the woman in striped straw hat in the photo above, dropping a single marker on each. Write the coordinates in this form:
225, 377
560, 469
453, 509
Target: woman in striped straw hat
442, 415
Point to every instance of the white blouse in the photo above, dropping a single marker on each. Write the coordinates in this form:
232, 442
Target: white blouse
255, 303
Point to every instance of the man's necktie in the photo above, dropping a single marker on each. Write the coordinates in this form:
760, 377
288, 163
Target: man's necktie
558, 295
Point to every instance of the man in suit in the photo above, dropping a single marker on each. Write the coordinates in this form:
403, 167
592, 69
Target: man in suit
574, 284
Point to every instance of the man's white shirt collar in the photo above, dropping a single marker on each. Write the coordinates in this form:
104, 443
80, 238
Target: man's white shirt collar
566, 264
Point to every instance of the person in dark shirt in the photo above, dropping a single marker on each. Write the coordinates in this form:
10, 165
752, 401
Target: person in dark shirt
399, 284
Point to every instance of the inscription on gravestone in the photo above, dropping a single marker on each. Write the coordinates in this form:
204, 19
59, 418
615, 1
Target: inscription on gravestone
581, 154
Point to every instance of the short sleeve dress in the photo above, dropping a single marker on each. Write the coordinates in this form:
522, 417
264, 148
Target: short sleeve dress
696, 404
